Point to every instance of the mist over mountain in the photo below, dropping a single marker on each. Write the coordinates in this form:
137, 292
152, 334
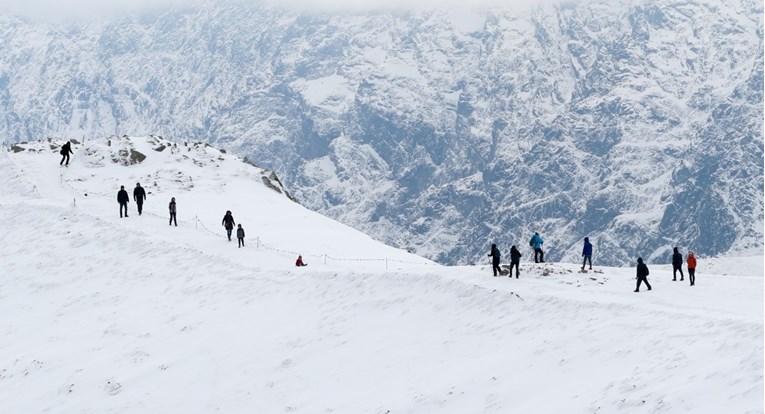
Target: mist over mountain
636, 123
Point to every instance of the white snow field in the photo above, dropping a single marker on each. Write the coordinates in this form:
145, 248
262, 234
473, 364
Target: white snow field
101, 314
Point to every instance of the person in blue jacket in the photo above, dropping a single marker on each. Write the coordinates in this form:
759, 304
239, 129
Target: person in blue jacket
587, 252
536, 242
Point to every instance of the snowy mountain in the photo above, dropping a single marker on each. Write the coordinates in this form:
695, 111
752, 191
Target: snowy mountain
636, 123
130, 315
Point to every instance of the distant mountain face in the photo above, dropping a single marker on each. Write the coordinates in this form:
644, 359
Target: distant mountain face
636, 123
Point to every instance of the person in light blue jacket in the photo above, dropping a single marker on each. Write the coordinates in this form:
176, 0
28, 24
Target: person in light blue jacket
536, 242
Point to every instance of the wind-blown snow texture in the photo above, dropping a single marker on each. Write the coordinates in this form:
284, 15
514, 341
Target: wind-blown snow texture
638, 124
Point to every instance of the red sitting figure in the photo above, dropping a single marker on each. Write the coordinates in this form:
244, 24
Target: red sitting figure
299, 261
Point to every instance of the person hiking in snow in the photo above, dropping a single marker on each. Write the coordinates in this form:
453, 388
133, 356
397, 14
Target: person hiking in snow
692, 268
139, 195
536, 242
228, 223
66, 149
587, 252
299, 262
123, 199
240, 235
677, 264
515, 260
495, 260
642, 275
172, 212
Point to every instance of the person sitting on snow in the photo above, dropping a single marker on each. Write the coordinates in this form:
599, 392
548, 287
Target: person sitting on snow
299, 261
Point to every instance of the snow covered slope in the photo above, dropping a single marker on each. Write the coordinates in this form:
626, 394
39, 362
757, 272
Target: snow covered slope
205, 183
103, 314
635, 122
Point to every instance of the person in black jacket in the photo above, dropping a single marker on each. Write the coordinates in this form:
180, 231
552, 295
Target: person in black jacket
677, 264
240, 235
495, 259
66, 149
139, 194
515, 260
173, 218
228, 223
123, 199
642, 275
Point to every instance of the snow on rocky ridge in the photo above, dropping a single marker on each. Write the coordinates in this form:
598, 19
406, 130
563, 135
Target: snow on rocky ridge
637, 123
103, 314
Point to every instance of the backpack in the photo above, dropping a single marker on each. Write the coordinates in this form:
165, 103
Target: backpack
531, 242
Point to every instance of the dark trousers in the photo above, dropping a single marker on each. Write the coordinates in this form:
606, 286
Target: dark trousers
642, 279
64, 157
539, 255
692, 275
123, 205
495, 266
140, 207
586, 259
674, 272
228, 232
173, 219
517, 266
241, 241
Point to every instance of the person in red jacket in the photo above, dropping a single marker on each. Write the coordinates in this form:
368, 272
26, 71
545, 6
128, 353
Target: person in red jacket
692, 268
299, 261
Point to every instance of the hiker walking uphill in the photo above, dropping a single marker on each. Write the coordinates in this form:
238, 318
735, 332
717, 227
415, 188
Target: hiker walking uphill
172, 212
139, 195
587, 252
642, 275
515, 260
123, 199
228, 223
66, 149
677, 264
536, 242
692, 268
495, 259
240, 235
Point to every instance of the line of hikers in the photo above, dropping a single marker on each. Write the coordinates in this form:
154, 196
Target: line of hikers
228, 223
536, 242
515, 255
677, 266
139, 196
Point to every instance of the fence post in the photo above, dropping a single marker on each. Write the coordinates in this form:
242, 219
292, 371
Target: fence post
325, 258
257, 242
196, 222
386, 263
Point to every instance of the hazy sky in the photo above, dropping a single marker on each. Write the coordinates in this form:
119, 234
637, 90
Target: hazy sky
65, 9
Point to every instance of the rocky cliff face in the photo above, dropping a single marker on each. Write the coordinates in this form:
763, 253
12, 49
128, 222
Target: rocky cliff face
637, 123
